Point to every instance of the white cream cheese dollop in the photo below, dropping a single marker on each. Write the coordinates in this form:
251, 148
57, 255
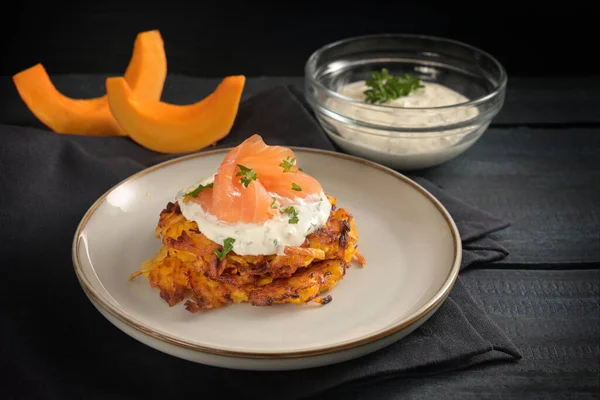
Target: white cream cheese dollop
260, 239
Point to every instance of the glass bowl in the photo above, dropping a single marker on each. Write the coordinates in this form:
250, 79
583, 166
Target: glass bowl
424, 129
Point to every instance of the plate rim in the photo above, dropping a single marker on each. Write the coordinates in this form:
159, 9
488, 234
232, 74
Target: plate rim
125, 318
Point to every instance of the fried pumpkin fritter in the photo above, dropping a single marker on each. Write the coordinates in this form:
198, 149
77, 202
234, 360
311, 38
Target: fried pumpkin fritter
187, 266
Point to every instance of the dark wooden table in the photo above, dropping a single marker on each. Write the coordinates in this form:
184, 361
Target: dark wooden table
538, 166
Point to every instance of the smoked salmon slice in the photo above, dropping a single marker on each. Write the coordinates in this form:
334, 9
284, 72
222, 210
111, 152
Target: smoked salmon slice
276, 169
290, 185
248, 177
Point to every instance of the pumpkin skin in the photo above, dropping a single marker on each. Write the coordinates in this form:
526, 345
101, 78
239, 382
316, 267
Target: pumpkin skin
146, 74
170, 128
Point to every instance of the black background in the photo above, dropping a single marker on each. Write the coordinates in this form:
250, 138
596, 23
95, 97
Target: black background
214, 39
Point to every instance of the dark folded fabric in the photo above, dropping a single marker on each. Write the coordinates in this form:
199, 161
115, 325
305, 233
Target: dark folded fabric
52, 336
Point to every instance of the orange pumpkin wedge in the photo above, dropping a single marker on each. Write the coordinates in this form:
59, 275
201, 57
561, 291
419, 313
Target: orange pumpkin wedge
146, 73
170, 128
147, 69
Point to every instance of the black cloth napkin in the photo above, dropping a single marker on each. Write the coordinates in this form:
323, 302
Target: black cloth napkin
54, 344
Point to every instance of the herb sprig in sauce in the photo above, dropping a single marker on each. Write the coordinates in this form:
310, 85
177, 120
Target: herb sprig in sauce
384, 87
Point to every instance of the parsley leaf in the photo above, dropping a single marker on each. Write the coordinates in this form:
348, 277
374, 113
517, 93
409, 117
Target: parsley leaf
287, 164
248, 175
227, 247
292, 213
273, 205
385, 87
296, 187
194, 193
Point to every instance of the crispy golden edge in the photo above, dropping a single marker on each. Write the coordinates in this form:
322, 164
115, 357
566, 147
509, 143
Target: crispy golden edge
301, 288
187, 265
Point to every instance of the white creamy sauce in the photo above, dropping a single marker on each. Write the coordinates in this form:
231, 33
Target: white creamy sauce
268, 238
432, 95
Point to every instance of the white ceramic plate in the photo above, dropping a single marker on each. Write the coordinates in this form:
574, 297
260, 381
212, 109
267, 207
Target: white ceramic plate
411, 244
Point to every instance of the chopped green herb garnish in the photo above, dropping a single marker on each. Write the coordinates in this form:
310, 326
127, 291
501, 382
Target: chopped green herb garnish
227, 247
296, 187
300, 169
276, 242
292, 213
287, 164
248, 175
273, 205
194, 193
385, 87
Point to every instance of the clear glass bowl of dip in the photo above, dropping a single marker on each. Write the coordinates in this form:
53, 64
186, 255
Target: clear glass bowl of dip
464, 90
